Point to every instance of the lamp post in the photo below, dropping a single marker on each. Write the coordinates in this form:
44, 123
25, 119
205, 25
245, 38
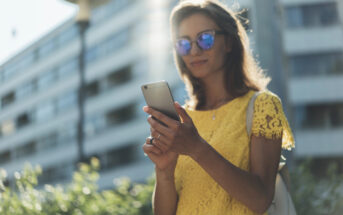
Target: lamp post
82, 20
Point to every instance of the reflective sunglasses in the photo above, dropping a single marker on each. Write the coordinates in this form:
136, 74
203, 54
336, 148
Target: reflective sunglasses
205, 41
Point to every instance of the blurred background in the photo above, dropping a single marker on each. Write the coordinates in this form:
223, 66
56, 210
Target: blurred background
70, 81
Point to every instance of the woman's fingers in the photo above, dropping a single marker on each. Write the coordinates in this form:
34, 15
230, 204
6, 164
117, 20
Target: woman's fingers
182, 113
158, 143
169, 122
161, 129
149, 148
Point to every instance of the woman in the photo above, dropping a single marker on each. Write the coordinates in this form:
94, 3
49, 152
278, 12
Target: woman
207, 164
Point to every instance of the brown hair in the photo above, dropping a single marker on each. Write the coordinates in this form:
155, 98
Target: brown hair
242, 72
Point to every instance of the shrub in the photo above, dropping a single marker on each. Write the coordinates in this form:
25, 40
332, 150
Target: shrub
80, 197
316, 196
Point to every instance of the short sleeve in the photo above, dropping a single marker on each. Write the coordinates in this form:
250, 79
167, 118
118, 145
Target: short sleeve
270, 121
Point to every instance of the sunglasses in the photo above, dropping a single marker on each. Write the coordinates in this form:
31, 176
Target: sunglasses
205, 41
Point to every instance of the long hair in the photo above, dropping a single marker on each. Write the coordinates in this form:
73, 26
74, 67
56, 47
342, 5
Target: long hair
242, 72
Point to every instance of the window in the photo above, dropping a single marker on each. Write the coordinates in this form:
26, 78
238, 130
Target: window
113, 7
25, 90
68, 35
314, 15
111, 44
319, 116
92, 89
25, 150
55, 173
47, 48
316, 64
119, 77
23, 120
26, 61
119, 156
47, 142
68, 68
46, 79
294, 17
7, 99
94, 124
66, 101
67, 134
45, 111
5, 157
120, 115
10, 70
336, 115
116, 41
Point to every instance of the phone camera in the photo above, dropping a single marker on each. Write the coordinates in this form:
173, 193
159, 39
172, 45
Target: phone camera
145, 87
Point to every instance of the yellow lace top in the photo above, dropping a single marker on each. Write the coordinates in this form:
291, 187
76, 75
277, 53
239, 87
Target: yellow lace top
198, 193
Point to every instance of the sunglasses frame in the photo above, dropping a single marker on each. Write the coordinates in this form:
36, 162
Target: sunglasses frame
212, 32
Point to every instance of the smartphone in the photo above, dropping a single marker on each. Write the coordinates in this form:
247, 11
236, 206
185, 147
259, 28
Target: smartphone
159, 97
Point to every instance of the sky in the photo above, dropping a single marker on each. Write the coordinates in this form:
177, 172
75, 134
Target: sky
22, 22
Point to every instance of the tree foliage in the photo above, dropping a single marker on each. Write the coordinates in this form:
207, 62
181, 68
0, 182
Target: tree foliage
80, 197
313, 195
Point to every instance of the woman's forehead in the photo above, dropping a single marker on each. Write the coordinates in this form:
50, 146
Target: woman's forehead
195, 23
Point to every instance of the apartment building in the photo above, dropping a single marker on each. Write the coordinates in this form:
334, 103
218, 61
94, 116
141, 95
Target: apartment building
311, 55
39, 89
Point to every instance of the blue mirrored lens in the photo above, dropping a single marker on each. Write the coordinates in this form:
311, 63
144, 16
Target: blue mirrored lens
205, 41
183, 47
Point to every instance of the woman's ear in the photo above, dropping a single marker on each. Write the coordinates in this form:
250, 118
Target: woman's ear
228, 44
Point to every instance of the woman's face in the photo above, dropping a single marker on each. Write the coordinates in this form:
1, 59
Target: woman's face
203, 63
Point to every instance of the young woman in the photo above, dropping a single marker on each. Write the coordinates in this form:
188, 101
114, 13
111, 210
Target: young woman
207, 164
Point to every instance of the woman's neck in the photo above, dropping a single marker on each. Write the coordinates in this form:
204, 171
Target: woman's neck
215, 93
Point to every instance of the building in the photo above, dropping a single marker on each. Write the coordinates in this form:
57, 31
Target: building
38, 92
126, 47
311, 41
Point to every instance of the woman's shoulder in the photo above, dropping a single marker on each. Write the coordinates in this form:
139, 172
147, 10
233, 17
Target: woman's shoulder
266, 95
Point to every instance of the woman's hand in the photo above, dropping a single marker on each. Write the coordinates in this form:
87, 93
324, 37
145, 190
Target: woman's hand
162, 160
179, 137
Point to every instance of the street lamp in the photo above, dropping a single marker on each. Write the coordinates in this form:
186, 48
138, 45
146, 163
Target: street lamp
82, 20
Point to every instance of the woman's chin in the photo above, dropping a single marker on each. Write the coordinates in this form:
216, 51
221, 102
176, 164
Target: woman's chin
200, 74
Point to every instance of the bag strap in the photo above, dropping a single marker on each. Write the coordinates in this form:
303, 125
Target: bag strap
283, 170
250, 112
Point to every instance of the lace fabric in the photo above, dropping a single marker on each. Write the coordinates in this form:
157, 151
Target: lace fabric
269, 120
198, 193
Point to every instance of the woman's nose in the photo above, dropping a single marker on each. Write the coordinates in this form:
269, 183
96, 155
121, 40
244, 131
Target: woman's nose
195, 50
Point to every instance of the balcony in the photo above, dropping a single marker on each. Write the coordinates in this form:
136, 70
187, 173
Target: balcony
318, 39
319, 143
315, 90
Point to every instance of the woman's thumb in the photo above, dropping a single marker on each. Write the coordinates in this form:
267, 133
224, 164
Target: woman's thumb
182, 113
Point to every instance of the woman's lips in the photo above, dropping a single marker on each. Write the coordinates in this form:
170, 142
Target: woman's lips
198, 63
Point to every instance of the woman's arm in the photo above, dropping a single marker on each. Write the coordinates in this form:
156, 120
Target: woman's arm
165, 196
255, 189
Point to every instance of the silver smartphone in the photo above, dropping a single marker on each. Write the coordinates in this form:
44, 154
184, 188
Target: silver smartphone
159, 97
